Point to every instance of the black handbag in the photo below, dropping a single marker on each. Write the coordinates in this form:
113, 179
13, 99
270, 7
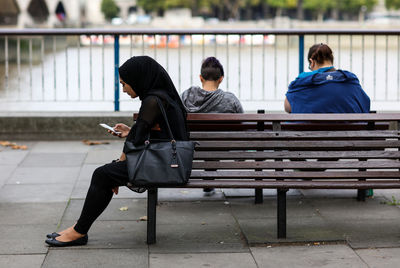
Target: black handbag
157, 164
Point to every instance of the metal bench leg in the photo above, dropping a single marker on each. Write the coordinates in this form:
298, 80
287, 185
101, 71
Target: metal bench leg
151, 215
258, 194
361, 194
281, 195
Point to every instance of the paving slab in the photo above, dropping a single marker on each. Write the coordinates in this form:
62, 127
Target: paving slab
79, 190
299, 229
102, 156
31, 213
188, 194
194, 212
22, 261
86, 172
136, 208
198, 238
12, 157
329, 193
244, 208
24, 238
96, 258
388, 194
370, 233
53, 159
5, 173
60, 147
113, 234
307, 256
349, 209
44, 175
24, 193
217, 260
380, 257
114, 144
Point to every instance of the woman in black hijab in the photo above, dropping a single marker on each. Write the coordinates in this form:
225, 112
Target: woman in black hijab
140, 77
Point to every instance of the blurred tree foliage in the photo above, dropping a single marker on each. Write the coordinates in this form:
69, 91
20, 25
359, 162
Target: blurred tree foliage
392, 4
239, 9
281, 4
356, 5
319, 6
109, 9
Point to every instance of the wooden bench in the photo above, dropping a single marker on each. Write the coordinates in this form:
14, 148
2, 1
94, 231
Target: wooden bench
352, 151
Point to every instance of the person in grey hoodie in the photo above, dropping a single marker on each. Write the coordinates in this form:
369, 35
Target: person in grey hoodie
210, 98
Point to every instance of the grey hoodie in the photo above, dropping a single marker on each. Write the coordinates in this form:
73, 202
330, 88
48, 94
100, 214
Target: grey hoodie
198, 100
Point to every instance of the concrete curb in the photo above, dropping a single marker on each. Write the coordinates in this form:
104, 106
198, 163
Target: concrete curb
59, 126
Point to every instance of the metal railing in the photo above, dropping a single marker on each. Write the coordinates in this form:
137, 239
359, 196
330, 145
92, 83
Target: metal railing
77, 69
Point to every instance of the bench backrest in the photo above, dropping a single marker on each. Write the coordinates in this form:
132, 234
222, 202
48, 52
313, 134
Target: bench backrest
338, 153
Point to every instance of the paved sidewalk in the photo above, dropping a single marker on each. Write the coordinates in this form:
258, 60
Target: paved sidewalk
42, 190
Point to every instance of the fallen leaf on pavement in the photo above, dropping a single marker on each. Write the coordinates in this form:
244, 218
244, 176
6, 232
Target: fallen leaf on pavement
89, 142
7, 143
13, 145
123, 208
21, 147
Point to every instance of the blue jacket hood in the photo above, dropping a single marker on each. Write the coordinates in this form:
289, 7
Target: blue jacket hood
329, 92
338, 76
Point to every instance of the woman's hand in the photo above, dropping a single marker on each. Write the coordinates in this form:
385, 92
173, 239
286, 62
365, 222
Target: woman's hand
115, 190
124, 129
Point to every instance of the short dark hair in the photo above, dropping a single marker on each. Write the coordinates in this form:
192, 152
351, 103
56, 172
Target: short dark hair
211, 69
320, 53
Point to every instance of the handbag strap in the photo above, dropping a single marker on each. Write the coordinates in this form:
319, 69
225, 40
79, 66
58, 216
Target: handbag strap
165, 117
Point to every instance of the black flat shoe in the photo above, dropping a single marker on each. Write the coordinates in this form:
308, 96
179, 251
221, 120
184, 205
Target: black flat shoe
77, 242
52, 235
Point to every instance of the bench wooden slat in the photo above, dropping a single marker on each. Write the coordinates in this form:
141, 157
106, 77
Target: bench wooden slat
240, 174
294, 117
305, 145
283, 135
298, 155
242, 126
392, 184
296, 164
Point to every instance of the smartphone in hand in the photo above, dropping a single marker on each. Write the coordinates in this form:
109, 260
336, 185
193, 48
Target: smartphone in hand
110, 128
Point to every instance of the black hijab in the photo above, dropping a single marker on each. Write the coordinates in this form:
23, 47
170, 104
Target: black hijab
148, 77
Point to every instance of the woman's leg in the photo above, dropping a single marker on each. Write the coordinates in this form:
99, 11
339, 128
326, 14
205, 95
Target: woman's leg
97, 199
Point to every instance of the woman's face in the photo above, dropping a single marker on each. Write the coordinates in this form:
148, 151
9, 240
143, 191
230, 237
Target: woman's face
128, 89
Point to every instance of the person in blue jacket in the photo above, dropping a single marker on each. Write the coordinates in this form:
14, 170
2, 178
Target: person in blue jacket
325, 89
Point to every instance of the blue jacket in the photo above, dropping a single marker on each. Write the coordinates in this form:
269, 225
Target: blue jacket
328, 92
